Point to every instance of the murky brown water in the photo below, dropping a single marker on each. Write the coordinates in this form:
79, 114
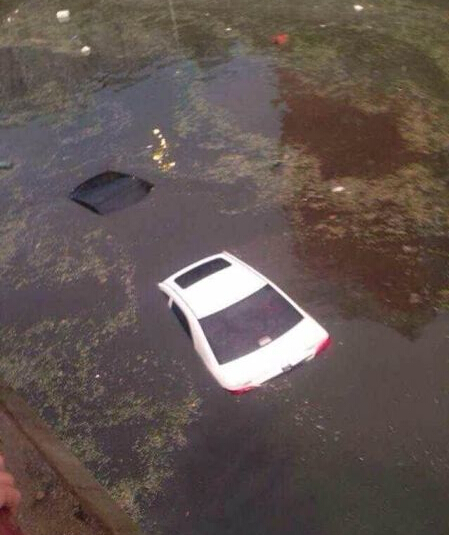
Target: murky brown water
347, 140
355, 442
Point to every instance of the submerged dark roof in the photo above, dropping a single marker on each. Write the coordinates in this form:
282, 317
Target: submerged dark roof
110, 191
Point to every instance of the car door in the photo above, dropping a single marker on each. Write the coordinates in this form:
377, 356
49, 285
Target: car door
191, 327
182, 318
193, 330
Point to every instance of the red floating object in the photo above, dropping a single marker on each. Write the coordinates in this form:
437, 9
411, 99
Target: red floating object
279, 39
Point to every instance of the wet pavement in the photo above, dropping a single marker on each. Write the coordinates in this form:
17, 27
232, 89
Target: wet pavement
259, 135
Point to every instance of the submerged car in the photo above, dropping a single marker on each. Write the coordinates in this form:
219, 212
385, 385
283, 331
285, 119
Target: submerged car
245, 329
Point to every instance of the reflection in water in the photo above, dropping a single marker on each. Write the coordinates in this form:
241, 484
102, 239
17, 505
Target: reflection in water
161, 153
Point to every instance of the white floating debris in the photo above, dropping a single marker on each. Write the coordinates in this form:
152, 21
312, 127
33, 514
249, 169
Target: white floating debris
63, 15
171, 164
229, 29
9, 19
86, 50
338, 189
16, 12
149, 147
163, 143
358, 7
323, 25
97, 376
156, 131
409, 249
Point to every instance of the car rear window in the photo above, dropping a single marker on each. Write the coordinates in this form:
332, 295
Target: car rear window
201, 272
249, 324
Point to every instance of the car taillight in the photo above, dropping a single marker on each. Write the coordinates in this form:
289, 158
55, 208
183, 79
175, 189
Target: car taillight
240, 391
323, 345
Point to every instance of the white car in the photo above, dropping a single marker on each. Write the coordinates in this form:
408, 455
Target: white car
242, 325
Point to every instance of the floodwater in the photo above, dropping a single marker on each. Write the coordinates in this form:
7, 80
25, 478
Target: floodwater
346, 140
257, 137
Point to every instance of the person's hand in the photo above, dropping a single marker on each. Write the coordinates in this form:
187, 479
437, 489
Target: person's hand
9, 496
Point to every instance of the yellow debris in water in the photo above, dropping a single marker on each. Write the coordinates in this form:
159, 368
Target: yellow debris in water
156, 131
157, 156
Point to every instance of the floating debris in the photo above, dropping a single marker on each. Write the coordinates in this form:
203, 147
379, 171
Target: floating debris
338, 189
110, 191
280, 39
228, 29
86, 50
6, 165
40, 495
358, 7
156, 131
63, 15
9, 19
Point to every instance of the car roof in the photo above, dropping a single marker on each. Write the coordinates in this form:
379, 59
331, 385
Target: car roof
219, 289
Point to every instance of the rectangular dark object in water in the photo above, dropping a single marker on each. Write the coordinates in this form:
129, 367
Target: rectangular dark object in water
110, 191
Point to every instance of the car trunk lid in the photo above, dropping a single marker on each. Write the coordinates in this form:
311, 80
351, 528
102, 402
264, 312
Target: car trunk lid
276, 356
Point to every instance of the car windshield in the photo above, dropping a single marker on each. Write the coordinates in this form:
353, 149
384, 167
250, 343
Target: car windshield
249, 324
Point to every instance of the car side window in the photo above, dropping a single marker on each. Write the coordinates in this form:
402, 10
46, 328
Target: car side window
181, 318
